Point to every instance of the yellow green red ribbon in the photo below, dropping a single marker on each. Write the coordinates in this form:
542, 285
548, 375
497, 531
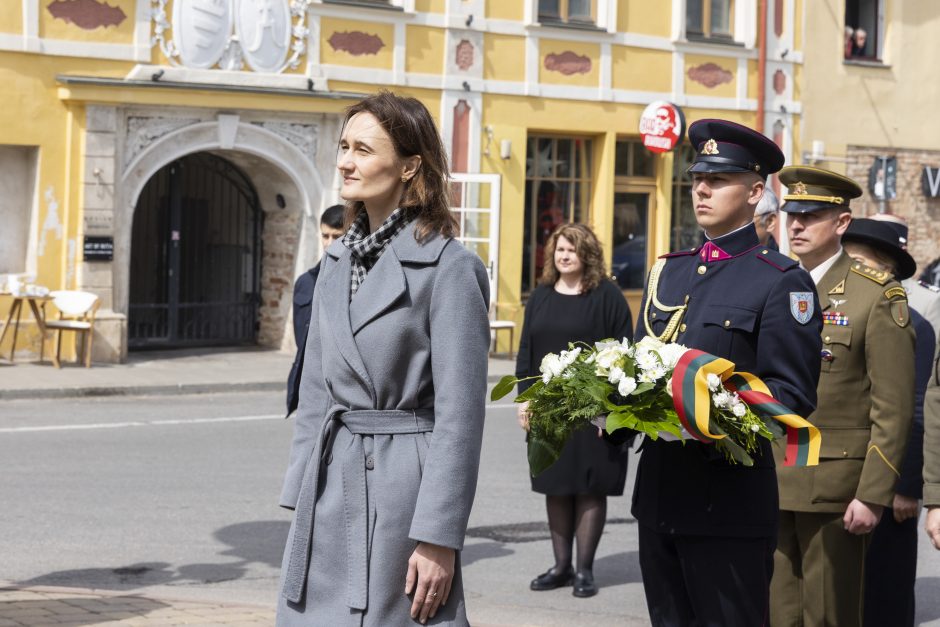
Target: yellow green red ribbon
692, 401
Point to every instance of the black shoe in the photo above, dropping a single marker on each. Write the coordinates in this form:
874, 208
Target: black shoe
584, 585
551, 579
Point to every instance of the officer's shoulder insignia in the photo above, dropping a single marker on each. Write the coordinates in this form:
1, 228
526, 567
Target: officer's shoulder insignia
801, 306
839, 288
900, 313
878, 276
679, 253
777, 260
895, 292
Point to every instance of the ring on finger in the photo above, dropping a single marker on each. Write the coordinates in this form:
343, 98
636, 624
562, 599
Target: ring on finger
432, 594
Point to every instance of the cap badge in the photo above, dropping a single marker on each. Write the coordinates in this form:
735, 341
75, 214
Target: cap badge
798, 189
710, 147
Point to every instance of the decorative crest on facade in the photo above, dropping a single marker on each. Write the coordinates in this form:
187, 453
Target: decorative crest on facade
269, 36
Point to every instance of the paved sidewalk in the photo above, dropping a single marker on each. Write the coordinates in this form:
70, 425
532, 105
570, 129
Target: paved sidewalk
186, 371
37, 606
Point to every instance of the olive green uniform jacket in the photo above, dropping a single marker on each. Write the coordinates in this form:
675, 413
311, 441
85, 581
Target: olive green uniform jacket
866, 393
932, 436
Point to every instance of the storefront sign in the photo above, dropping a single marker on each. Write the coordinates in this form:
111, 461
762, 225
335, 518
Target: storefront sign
662, 126
99, 248
931, 182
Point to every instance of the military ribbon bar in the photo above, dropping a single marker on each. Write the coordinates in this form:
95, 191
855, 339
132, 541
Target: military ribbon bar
693, 404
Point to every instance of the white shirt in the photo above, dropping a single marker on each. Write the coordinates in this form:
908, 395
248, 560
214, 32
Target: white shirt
820, 271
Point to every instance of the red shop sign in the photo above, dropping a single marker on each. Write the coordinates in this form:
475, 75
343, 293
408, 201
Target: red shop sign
662, 126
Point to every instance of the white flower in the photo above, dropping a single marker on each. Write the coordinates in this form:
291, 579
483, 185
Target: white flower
755, 428
569, 357
626, 386
714, 382
628, 347
649, 342
608, 357
670, 354
739, 410
657, 372
616, 374
551, 366
646, 358
722, 400
605, 344
669, 386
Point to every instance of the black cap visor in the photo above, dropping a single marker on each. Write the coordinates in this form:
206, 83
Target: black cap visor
809, 206
711, 166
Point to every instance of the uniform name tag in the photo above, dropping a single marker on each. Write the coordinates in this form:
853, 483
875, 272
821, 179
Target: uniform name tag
801, 306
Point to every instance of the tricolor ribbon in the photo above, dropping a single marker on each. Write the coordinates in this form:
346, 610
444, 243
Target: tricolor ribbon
692, 400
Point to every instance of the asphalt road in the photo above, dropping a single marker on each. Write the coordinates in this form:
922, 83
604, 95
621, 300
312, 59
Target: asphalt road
176, 497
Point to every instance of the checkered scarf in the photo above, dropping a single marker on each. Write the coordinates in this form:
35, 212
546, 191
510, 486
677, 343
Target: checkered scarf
367, 247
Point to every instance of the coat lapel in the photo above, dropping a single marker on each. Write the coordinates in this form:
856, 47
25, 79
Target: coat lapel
386, 283
335, 310
833, 282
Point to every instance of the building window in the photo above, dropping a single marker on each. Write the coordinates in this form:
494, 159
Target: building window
634, 197
567, 11
862, 29
685, 231
557, 190
709, 19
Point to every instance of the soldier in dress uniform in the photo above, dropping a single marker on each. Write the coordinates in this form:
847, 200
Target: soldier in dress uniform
866, 401
707, 527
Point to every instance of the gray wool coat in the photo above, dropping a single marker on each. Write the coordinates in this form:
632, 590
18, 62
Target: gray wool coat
367, 486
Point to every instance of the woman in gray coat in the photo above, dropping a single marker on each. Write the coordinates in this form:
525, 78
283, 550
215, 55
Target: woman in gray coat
386, 448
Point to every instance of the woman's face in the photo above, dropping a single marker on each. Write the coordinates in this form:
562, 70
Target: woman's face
866, 255
372, 170
567, 261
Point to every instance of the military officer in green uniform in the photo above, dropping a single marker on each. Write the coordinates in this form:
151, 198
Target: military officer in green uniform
866, 392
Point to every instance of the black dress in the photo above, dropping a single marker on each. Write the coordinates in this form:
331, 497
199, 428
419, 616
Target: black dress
588, 464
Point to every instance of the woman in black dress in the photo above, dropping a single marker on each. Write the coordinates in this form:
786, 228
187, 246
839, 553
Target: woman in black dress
575, 301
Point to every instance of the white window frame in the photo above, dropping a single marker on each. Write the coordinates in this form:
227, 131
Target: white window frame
744, 27
606, 11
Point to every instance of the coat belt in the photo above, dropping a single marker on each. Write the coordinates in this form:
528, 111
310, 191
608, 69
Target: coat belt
359, 423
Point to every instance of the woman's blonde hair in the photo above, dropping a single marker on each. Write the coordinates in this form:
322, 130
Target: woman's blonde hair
588, 249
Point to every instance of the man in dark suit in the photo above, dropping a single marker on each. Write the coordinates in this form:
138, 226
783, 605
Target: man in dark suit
331, 229
707, 527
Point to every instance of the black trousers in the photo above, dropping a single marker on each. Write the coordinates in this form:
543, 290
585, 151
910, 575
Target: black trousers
891, 572
706, 581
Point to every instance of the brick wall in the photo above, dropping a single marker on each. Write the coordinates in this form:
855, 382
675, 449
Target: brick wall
279, 243
922, 213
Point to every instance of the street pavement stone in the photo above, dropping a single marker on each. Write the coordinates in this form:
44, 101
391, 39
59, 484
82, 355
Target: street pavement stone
38, 606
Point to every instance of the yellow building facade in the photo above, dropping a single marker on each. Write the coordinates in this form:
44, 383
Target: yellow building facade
197, 138
865, 104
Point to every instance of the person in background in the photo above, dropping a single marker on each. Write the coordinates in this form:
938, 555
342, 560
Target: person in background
859, 41
866, 403
765, 219
849, 38
932, 453
331, 229
923, 297
574, 302
891, 560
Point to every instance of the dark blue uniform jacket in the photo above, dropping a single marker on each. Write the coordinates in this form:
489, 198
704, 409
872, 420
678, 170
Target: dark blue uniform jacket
303, 297
743, 305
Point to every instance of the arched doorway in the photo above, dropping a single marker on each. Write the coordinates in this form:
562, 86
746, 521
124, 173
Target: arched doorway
195, 256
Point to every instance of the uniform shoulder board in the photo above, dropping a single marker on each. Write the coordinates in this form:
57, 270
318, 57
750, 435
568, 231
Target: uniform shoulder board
776, 259
878, 276
929, 286
680, 253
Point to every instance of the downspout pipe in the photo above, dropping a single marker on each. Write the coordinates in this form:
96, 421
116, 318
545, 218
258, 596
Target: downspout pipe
761, 61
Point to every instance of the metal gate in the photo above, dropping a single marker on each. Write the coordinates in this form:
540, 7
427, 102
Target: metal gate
475, 202
195, 257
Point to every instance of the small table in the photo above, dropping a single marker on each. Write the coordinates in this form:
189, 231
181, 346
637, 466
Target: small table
35, 305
